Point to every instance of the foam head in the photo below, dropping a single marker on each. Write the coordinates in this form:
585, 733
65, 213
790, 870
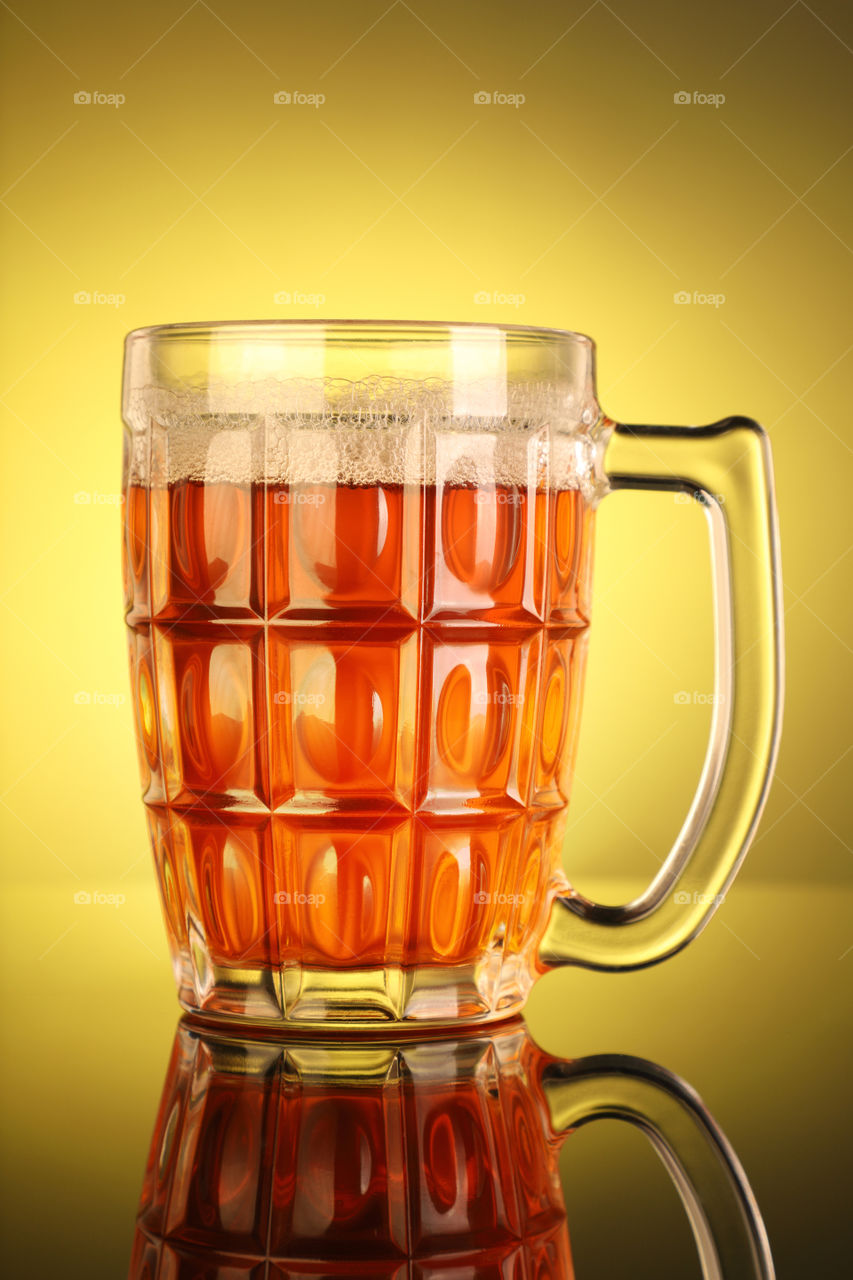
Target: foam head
363, 432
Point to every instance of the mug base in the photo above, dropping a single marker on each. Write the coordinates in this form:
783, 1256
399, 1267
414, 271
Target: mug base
370, 999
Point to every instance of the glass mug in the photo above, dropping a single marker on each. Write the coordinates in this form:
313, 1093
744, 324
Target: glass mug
384, 1158
357, 571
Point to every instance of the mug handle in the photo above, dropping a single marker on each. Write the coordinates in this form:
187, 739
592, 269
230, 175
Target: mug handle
726, 1223
726, 467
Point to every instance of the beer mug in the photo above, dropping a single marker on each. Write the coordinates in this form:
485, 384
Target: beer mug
389, 1158
357, 573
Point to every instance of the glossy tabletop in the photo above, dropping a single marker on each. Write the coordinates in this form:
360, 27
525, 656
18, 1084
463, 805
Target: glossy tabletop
753, 1027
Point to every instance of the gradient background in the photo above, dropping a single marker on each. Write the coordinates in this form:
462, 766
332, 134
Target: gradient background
589, 207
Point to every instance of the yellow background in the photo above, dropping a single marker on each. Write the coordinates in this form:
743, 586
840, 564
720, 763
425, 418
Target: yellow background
588, 206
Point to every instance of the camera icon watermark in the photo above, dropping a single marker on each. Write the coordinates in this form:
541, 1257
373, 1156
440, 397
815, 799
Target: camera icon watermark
82, 98
500, 497
696, 698
684, 499
283, 698
296, 298
287, 498
499, 99
82, 898
295, 98
482, 898
95, 698
95, 298
498, 298
684, 298
283, 898
94, 498
502, 699
683, 98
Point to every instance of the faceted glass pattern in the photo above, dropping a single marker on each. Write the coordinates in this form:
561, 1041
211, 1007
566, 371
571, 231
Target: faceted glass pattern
356, 710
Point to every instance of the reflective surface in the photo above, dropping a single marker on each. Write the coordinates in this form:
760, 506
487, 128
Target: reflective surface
354, 1159
271, 1157
758, 1033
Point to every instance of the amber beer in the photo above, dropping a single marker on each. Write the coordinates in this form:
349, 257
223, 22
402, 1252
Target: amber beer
356, 706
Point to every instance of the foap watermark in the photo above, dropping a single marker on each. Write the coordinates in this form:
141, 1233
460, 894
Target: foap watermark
685, 98
497, 298
287, 498
295, 298
684, 298
95, 698
94, 498
82, 898
296, 98
501, 497
95, 298
83, 98
498, 99
704, 499
501, 699
284, 898
484, 899
283, 698
696, 698
703, 899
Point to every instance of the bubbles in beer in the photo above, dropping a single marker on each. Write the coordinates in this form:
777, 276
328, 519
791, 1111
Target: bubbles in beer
383, 432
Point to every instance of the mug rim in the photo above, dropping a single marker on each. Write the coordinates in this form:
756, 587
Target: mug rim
357, 327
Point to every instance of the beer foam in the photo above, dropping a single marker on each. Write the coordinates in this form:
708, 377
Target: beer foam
367, 432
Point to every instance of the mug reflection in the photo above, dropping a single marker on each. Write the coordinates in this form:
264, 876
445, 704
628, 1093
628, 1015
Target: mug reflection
277, 1160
